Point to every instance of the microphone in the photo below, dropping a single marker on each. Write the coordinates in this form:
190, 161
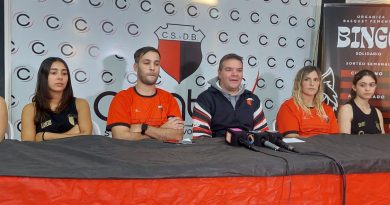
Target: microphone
247, 141
236, 137
277, 138
270, 145
262, 139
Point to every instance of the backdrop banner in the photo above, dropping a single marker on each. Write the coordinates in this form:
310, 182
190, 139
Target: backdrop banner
98, 39
356, 37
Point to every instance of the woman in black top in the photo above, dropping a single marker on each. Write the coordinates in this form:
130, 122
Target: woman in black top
54, 112
358, 116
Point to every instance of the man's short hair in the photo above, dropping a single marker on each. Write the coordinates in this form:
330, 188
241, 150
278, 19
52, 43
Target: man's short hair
228, 57
142, 51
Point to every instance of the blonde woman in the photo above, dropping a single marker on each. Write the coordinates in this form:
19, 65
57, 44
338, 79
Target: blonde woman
304, 114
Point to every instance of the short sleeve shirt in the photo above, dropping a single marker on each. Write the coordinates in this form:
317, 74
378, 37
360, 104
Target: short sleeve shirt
292, 119
129, 107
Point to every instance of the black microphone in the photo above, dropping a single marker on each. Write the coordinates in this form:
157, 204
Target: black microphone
236, 137
247, 141
277, 138
262, 139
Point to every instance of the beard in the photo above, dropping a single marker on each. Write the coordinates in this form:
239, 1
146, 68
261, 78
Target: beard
147, 80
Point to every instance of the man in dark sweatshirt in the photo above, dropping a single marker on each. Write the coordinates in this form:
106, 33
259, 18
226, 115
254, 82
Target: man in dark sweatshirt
227, 104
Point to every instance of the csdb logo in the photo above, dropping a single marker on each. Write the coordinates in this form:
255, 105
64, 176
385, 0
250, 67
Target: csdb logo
180, 48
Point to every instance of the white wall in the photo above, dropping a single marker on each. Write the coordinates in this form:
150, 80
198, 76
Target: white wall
98, 38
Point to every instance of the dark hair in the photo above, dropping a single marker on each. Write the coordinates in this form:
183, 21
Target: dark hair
42, 95
142, 51
359, 75
228, 57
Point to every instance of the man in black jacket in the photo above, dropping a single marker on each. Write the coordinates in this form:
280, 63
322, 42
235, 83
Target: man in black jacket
227, 104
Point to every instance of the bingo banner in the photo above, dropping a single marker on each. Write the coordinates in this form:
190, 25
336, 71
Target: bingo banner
97, 38
356, 37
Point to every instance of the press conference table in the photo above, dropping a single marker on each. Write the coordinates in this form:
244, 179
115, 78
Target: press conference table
101, 170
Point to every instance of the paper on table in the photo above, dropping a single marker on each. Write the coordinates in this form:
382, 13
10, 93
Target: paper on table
292, 140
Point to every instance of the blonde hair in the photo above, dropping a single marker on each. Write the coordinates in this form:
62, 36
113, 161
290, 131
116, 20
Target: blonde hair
297, 92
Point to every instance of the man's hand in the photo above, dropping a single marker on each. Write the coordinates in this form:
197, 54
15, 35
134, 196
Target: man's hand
174, 123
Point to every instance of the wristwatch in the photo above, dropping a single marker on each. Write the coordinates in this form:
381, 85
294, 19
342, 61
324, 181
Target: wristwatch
144, 127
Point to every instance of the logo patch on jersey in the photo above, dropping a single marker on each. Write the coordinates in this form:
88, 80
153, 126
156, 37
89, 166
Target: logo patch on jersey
326, 118
46, 124
249, 101
71, 119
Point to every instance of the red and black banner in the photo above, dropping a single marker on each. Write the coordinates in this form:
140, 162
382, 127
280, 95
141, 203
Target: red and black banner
356, 36
180, 49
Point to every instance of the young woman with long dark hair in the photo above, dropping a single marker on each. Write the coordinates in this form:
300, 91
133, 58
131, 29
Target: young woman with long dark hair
54, 112
358, 116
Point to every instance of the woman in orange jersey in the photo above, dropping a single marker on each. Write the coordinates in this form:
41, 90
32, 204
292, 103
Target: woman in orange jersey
304, 114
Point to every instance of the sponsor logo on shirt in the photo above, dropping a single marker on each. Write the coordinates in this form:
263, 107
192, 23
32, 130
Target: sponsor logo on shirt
71, 119
249, 101
46, 124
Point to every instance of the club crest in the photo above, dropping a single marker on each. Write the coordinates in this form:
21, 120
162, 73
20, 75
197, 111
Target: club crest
180, 49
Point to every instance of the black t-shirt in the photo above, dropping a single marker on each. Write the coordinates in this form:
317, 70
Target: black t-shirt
59, 122
363, 123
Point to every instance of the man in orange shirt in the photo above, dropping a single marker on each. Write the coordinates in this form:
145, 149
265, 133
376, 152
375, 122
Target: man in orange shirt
144, 111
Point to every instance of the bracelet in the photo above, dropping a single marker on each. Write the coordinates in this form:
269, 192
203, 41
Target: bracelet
144, 127
43, 136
